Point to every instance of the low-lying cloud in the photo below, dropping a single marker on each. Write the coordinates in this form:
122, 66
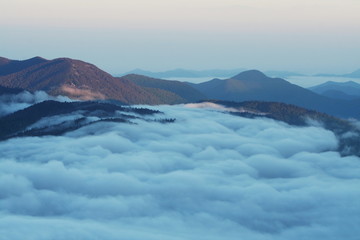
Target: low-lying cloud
83, 94
10, 103
208, 175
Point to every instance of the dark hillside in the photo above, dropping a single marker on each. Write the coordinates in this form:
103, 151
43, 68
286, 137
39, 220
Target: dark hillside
183, 90
255, 86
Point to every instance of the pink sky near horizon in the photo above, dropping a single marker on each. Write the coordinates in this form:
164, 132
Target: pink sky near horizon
307, 36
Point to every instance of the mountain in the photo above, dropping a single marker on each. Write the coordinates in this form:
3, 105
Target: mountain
250, 85
355, 74
254, 85
73, 78
219, 73
79, 80
183, 90
185, 73
8, 66
56, 118
340, 90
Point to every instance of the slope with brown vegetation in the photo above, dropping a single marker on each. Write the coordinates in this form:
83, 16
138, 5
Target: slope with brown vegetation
79, 80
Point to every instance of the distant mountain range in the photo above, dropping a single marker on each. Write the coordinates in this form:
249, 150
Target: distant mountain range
226, 73
283, 74
219, 73
81, 80
341, 90
186, 73
355, 74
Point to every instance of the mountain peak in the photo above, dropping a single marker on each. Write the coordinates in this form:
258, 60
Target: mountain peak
81, 80
37, 58
337, 84
349, 84
34, 60
250, 74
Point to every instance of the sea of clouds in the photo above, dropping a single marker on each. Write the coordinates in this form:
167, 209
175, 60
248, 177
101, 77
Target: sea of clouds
208, 175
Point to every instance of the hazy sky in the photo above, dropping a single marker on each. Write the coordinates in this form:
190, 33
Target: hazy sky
119, 35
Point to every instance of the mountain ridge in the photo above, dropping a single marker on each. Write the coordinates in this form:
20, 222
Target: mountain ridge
181, 89
253, 85
79, 80
354, 74
185, 73
342, 90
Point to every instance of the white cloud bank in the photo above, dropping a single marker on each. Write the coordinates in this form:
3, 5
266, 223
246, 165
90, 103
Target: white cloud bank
209, 175
10, 103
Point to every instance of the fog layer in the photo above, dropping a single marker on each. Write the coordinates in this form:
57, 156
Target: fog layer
208, 175
10, 103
